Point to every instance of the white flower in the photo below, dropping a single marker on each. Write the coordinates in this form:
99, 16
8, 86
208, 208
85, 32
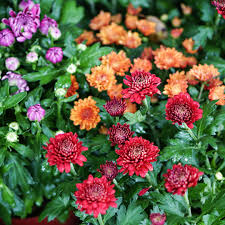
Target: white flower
11, 137
14, 126
164, 17
54, 32
35, 48
219, 176
32, 57
71, 68
59, 132
81, 47
60, 92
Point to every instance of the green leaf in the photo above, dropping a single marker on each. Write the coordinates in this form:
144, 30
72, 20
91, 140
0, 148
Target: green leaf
2, 155
5, 214
70, 99
208, 219
218, 123
7, 195
218, 62
133, 118
207, 11
14, 100
63, 81
56, 9
23, 150
23, 122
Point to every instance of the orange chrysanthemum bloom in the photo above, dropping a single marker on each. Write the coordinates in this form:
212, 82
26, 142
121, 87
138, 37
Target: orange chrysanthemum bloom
204, 72
146, 27
130, 40
118, 62
117, 18
115, 91
188, 45
101, 20
176, 84
131, 22
85, 113
141, 64
103, 130
87, 36
217, 93
166, 58
133, 11
191, 79
213, 83
175, 33
191, 61
131, 107
102, 77
73, 87
187, 10
147, 54
176, 22
111, 34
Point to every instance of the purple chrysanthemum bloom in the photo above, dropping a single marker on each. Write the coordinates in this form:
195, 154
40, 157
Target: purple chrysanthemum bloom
12, 63
35, 113
6, 37
46, 23
25, 23
54, 55
24, 4
16, 80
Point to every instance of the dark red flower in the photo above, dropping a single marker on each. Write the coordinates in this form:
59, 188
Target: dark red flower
109, 170
140, 84
95, 195
136, 155
119, 134
157, 218
143, 191
65, 149
180, 178
115, 107
220, 6
183, 109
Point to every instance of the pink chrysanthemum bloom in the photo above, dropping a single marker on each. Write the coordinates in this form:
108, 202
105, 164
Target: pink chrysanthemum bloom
12, 63
109, 170
115, 107
157, 218
6, 37
54, 54
95, 195
25, 23
119, 134
220, 6
136, 156
36, 113
65, 149
46, 23
183, 109
140, 84
180, 178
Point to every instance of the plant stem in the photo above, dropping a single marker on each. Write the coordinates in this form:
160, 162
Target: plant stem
208, 163
37, 139
221, 167
100, 219
148, 178
117, 185
201, 90
190, 132
188, 203
145, 102
59, 106
214, 159
72, 170
117, 119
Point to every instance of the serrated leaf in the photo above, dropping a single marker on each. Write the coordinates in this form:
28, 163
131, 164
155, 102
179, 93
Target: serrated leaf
204, 33
14, 100
112, 211
23, 150
133, 118
207, 11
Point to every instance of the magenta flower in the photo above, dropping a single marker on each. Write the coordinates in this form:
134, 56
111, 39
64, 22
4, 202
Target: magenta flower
25, 23
16, 80
46, 23
35, 113
12, 63
54, 55
24, 4
157, 218
6, 37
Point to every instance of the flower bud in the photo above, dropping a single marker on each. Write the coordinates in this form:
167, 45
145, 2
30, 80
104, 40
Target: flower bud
219, 176
35, 113
81, 47
12, 63
60, 92
11, 137
71, 68
54, 32
164, 17
14, 126
35, 48
59, 132
32, 57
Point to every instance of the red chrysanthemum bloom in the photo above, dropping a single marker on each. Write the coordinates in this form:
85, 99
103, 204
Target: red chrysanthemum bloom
140, 84
220, 6
119, 134
136, 155
180, 178
183, 109
109, 170
115, 107
95, 195
157, 218
65, 149
143, 191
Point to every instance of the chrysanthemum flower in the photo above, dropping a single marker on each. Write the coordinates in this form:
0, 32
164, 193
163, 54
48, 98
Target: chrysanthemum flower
213, 83
73, 87
119, 134
131, 22
35, 113
12, 63
115, 107
157, 218
176, 84
176, 22
175, 33
180, 178
46, 24
7, 37
187, 10
109, 170
188, 44
130, 40
147, 54
191, 61
64, 149
217, 93
117, 18
183, 109
87, 36
111, 34
146, 27
85, 114
131, 107
140, 84
95, 195
54, 55
141, 65
118, 62
133, 11
143, 191
220, 6
136, 155
101, 20
166, 58
102, 77
191, 79
204, 72
115, 91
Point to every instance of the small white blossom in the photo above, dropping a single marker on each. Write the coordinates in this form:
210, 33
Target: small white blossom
164, 17
11, 137
219, 176
14, 126
71, 68
59, 132
54, 32
60, 92
81, 47
32, 57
